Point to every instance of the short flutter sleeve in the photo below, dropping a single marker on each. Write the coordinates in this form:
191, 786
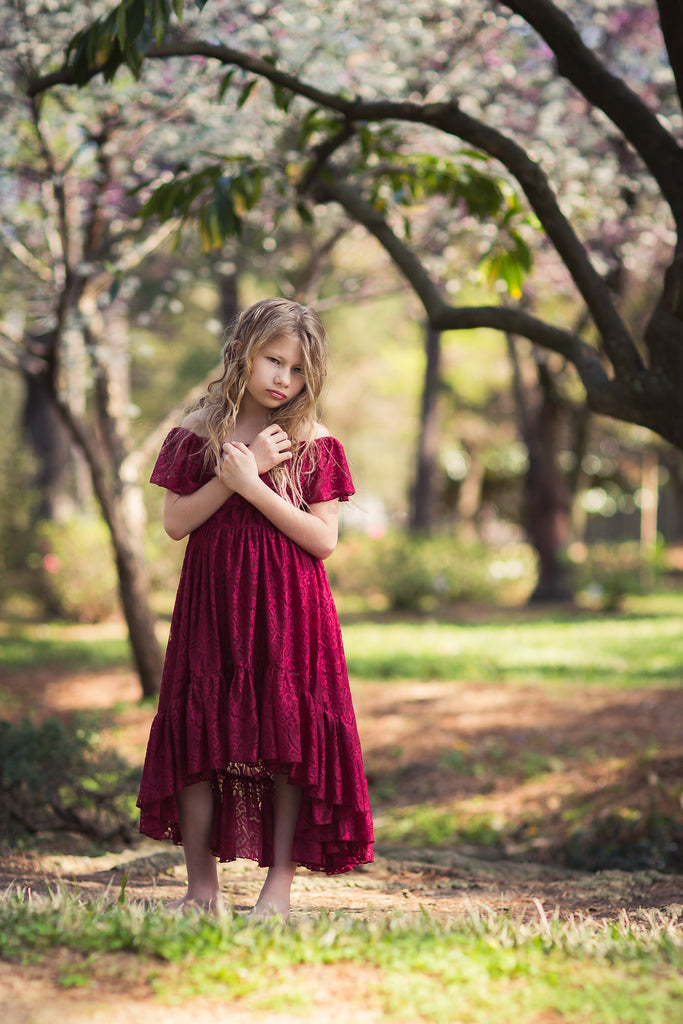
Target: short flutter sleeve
180, 466
330, 477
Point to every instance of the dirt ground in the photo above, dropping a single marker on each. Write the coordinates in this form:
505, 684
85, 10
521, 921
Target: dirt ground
411, 733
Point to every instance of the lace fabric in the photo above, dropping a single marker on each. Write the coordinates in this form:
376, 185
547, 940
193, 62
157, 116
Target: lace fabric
255, 681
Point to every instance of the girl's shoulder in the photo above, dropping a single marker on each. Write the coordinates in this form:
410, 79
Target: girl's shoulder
316, 432
180, 466
327, 473
195, 423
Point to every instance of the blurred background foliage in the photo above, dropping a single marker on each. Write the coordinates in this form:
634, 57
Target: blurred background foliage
434, 521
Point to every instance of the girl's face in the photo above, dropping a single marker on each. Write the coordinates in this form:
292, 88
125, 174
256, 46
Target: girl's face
277, 374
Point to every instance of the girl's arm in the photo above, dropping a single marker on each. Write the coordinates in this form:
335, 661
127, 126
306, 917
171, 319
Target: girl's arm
315, 530
184, 513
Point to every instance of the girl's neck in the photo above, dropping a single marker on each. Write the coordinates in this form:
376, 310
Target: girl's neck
248, 424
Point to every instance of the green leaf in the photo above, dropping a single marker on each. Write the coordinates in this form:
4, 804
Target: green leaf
114, 288
304, 213
227, 78
366, 139
121, 26
507, 267
133, 59
522, 251
210, 229
314, 120
246, 91
124, 36
282, 97
136, 19
160, 18
204, 235
224, 213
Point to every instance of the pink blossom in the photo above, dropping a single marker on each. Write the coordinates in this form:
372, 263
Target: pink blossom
51, 563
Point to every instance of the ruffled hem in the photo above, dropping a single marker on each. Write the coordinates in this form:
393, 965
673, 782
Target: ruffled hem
239, 754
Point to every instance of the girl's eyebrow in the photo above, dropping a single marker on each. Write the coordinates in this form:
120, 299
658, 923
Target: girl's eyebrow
271, 350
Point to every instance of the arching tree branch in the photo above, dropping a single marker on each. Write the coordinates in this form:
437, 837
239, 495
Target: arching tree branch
671, 21
444, 317
449, 118
605, 91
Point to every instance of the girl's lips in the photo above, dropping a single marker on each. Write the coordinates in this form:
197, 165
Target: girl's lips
276, 394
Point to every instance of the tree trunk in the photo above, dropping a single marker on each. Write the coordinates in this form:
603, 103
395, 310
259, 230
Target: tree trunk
49, 439
134, 591
133, 580
470, 495
424, 497
546, 503
547, 500
111, 493
229, 295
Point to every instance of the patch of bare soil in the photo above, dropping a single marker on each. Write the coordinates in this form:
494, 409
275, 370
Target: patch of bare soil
515, 753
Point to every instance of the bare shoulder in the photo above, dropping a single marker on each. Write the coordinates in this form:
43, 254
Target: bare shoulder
195, 422
321, 431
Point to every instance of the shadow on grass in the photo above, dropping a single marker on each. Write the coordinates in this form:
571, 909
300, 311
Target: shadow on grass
23, 650
594, 787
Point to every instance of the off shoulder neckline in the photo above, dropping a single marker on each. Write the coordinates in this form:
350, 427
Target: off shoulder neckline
200, 437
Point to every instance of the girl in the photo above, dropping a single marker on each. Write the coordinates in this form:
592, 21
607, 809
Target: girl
254, 750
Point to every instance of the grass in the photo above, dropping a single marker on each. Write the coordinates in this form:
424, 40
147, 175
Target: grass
557, 649
61, 647
640, 647
482, 968
437, 826
477, 968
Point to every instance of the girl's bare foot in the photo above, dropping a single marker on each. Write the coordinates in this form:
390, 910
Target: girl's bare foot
214, 905
274, 898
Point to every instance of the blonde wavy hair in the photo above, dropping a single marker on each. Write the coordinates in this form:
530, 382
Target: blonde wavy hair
255, 327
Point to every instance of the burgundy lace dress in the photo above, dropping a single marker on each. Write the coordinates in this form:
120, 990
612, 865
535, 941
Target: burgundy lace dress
255, 681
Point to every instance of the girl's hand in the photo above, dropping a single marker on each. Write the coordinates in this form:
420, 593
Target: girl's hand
269, 448
237, 469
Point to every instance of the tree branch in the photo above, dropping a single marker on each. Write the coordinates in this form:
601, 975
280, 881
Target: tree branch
515, 321
443, 317
326, 189
671, 21
24, 255
447, 117
15, 356
657, 148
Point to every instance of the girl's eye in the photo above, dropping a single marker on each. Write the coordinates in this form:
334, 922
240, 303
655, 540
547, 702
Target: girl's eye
299, 369
272, 359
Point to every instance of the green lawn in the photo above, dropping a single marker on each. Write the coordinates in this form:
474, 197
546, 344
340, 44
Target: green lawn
479, 969
639, 647
474, 969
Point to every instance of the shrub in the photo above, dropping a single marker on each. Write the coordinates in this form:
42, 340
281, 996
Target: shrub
58, 779
17, 536
626, 840
608, 573
75, 571
419, 573
422, 573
